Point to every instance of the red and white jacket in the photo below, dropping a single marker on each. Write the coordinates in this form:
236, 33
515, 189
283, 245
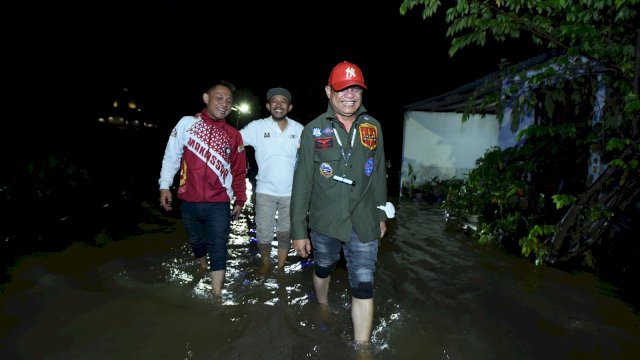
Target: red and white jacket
211, 158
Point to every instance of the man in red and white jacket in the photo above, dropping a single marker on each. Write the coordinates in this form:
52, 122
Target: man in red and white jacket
210, 156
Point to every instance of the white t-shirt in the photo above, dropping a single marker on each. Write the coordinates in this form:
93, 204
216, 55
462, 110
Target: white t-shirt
275, 152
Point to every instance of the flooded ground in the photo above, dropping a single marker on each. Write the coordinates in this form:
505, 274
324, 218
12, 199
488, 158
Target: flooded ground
438, 295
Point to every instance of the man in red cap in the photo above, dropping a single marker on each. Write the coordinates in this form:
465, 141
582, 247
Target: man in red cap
340, 194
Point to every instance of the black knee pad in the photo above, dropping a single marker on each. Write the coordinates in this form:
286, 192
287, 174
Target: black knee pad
363, 291
323, 272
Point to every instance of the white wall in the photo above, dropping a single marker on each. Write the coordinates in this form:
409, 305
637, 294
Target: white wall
440, 144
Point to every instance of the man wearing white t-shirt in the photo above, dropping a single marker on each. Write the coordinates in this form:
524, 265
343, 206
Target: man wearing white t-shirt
275, 140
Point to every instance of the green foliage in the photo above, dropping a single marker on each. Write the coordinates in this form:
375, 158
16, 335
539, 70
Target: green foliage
432, 190
600, 31
459, 202
504, 189
410, 185
617, 144
596, 43
562, 200
534, 242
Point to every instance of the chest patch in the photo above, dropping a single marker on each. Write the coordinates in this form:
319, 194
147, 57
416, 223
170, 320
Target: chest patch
323, 143
326, 170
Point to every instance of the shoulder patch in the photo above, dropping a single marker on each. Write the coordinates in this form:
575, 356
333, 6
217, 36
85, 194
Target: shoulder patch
368, 135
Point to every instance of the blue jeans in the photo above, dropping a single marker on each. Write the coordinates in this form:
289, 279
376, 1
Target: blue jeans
361, 257
208, 226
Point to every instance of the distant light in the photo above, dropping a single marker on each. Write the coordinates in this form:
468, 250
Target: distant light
243, 108
118, 120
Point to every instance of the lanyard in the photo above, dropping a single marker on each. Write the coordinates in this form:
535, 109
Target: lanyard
353, 137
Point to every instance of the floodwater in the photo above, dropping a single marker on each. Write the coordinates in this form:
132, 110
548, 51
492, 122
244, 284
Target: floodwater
438, 295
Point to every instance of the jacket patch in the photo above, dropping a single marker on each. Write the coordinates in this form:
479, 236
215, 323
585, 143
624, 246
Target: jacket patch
326, 170
368, 167
328, 131
323, 143
368, 136
316, 131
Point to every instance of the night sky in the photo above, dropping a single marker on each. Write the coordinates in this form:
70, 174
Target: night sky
67, 61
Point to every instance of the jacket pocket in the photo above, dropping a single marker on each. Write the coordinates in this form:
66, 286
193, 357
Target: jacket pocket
329, 155
327, 161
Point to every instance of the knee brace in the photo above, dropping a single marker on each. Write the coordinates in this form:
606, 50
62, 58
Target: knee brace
323, 272
363, 290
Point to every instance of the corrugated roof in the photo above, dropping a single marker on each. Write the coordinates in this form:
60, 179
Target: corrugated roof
459, 99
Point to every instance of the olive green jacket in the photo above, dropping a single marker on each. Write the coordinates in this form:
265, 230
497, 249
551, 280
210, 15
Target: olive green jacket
334, 207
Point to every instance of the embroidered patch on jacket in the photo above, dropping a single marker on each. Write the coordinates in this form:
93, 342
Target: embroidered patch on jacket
323, 143
316, 131
328, 131
368, 135
326, 170
368, 167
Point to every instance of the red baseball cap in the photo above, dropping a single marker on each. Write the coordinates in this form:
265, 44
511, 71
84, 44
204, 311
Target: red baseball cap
346, 74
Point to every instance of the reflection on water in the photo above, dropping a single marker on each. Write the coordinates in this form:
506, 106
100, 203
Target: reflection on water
438, 296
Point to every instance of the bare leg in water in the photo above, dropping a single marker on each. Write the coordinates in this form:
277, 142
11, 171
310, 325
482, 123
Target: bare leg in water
204, 263
217, 279
282, 258
284, 244
265, 254
321, 287
361, 315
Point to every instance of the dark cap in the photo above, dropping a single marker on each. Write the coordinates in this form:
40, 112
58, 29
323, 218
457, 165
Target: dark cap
278, 91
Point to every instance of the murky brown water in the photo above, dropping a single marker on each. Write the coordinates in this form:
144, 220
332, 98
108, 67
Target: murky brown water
438, 296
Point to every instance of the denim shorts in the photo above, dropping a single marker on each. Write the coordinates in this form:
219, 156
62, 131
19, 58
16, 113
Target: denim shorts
361, 257
208, 226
